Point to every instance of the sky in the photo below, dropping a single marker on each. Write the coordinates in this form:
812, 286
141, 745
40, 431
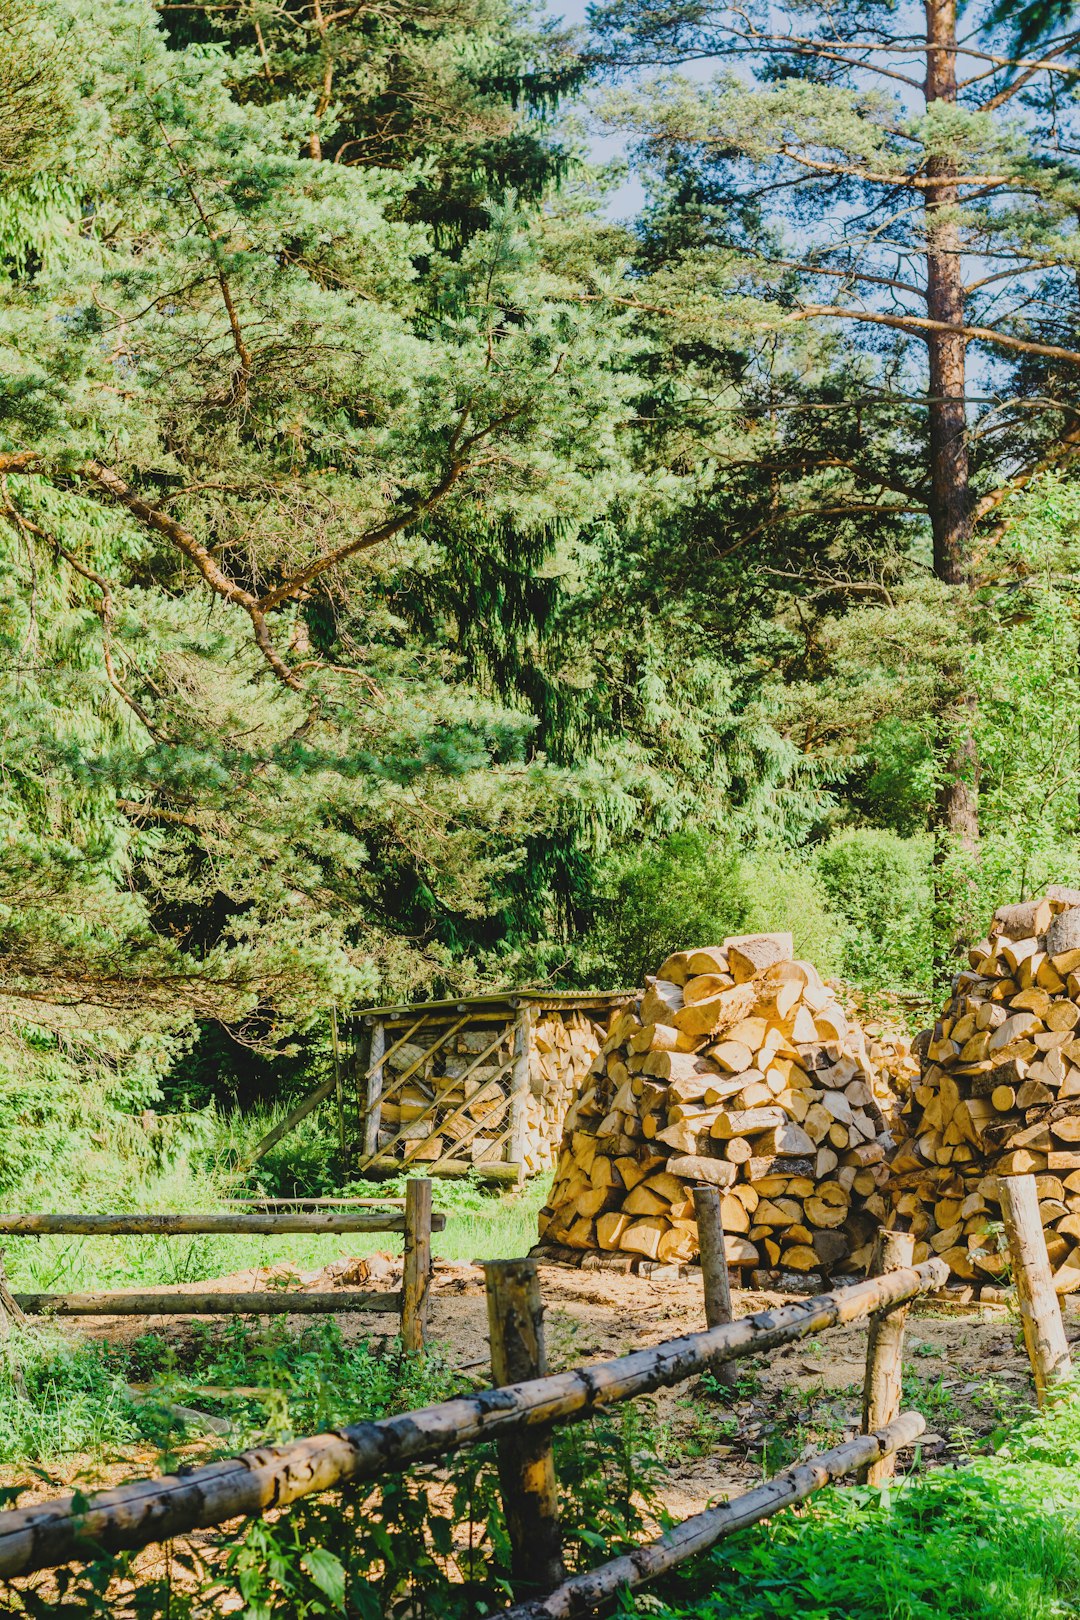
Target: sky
627, 200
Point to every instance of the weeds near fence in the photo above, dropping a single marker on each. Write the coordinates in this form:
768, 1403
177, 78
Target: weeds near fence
998, 1539
268, 1381
431, 1543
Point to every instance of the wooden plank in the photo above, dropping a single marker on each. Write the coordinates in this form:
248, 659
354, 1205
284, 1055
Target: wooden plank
451, 1169
373, 1084
301, 1111
282, 1302
376, 1060
695, 1535
1040, 1313
527, 1461
416, 1278
231, 1221
893, 1251
339, 1088
134, 1515
493, 1170
269, 1204
519, 1089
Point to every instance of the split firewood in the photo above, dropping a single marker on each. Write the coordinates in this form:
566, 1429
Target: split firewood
998, 1094
737, 1068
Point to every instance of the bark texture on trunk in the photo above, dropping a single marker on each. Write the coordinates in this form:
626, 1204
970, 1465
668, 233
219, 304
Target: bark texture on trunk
955, 811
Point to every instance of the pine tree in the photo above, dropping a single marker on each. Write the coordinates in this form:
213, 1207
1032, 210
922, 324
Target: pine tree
874, 173
240, 384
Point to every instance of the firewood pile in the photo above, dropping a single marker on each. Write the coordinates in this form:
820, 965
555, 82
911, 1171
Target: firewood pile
560, 1056
999, 1095
738, 1067
449, 1092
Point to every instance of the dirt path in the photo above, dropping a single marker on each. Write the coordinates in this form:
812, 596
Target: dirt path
967, 1374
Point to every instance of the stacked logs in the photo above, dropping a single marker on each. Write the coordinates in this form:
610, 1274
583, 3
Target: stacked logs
561, 1052
999, 1095
451, 1098
737, 1067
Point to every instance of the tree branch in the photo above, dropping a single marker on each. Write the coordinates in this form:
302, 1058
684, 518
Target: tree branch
917, 324
243, 353
105, 611
1067, 447
203, 559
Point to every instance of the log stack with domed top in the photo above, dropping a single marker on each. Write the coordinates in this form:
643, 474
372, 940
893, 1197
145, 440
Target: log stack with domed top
737, 1067
999, 1095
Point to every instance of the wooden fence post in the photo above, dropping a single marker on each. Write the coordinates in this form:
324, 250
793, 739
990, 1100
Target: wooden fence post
526, 1461
416, 1277
1040, 1313
519, 1091
714, 1271
339, 1085
893, 1251
373, 1091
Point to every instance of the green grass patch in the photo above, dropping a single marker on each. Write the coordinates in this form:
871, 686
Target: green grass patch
998, 1539
202, 1169
267, 1380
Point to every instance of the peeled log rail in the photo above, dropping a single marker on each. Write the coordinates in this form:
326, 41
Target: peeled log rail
145, 1511
697, 1534
172, 1225
282, 1302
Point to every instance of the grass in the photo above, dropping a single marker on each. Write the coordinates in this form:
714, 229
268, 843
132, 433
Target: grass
78, 1400
480, 1226
202, 1173
998, 1539
267, 1381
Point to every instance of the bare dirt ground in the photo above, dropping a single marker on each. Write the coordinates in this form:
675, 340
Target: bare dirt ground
967, 1370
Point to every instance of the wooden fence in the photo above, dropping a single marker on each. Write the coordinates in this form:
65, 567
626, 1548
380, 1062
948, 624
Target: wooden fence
519, 1414
410, 1302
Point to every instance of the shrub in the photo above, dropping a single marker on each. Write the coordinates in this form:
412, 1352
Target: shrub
880, 884
686, 889
692, 890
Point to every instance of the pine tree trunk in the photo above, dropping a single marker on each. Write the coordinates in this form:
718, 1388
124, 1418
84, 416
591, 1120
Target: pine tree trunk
955, 811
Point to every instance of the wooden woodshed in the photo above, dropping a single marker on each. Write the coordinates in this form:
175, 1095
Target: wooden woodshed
481, 1083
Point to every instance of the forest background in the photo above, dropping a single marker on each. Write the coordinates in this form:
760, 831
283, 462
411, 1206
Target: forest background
418, 580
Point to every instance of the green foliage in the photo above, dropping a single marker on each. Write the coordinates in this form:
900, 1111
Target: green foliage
994, 1540
784, 892
662, 896
434, 1538
690, 889
880, 885
389, 605
84, 1399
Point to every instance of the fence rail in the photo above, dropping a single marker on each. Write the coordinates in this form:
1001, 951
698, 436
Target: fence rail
242, 1221
135, 1515
703, 1530
417, 1222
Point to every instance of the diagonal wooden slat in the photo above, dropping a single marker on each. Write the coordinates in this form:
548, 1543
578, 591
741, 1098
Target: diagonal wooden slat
407, 1074
300, 1112
391, 1145
499, 1141
390, 1050
463, 1108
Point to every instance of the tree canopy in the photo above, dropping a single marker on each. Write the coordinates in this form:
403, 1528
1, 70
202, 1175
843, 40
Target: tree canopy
417, 580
